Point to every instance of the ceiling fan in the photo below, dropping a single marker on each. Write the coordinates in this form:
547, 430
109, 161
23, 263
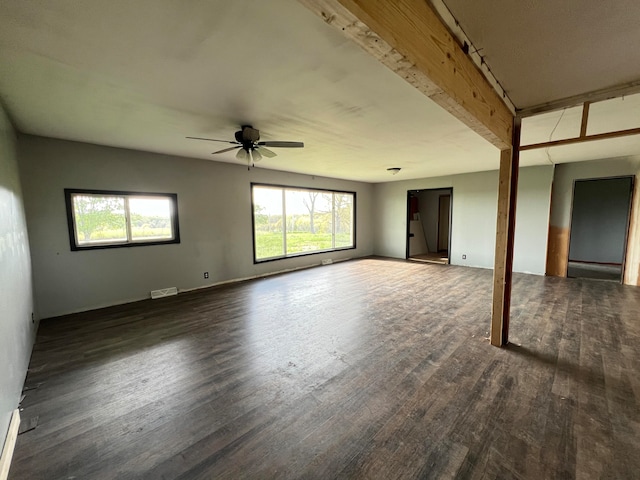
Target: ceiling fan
249, 146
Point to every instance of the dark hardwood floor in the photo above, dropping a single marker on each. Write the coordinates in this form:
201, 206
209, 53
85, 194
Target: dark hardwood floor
363, 369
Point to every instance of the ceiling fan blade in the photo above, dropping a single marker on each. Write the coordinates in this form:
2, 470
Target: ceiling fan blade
282, 144
256, 155
266, 152
226, 150
243, 155
213, 140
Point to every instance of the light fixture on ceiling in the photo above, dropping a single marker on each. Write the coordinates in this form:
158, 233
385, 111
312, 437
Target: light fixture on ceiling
394, 170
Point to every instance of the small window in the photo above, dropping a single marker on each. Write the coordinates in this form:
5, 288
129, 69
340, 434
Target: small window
289, 221
107, 219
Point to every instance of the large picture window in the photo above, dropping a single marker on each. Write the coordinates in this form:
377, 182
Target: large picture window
291, 221
106, 219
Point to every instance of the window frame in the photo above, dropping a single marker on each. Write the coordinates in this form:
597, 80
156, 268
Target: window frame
284, 232
175, 225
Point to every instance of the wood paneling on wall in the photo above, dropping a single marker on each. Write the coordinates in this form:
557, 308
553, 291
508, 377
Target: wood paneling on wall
558, 251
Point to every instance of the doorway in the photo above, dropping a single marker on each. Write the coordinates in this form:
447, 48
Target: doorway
599, 228
429, 225
444, 212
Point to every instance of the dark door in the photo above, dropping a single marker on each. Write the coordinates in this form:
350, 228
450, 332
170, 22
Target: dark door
599, 226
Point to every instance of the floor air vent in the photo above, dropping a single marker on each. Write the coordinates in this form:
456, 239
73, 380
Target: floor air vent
165, 292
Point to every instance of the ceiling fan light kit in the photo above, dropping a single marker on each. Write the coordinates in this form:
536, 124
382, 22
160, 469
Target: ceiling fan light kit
250, 148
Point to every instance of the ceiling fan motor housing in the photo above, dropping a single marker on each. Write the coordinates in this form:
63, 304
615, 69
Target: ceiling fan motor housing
248, 145
248, 135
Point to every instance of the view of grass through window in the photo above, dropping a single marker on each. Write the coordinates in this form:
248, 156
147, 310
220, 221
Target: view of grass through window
293, 221
110, 219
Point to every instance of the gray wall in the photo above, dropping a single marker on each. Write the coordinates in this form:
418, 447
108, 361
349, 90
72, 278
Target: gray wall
17, 331
214, 205
532, 219
600, 217
473, 217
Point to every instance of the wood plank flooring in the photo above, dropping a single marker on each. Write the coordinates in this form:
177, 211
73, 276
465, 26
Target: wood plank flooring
363, 369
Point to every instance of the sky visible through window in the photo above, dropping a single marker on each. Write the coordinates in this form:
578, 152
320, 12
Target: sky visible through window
151, 207
271, 200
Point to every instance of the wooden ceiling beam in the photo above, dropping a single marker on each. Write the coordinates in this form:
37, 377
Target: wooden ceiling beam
408, 37
630, 88
582, 139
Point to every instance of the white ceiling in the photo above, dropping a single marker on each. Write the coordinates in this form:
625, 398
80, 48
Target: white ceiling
546, 50
145, 74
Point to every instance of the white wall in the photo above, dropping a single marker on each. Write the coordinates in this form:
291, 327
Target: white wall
474, 214
214, 205
17, 331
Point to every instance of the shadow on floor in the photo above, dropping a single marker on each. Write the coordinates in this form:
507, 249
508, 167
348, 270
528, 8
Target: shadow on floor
595, 271
570, 370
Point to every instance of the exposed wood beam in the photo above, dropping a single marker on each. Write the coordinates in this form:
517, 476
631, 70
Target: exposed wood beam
408, 37
595, 96
587, 138
474, 54
631, 272
505, 235
585, 119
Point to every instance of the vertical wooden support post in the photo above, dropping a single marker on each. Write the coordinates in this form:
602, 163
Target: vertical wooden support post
631, 273
585, 119
505, 234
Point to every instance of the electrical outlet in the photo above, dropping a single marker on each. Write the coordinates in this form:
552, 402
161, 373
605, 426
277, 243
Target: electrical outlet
206, 275
464, 257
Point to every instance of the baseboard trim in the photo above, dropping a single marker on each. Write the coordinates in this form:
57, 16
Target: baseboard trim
262, 275
57, 316
9, 445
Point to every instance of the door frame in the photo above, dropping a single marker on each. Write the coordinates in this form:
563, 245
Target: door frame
440, 197
628, 223
407, 219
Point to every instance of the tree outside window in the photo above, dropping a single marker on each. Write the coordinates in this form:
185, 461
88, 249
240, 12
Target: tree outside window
295, 221
103, 219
